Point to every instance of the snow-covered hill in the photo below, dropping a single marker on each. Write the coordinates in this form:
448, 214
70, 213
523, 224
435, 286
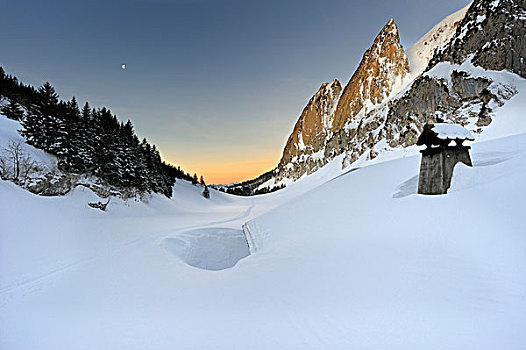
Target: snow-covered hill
9, 134
363, 261
342, 259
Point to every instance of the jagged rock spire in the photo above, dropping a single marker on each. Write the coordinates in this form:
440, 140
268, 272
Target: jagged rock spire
327, 112
490, 34
382, 64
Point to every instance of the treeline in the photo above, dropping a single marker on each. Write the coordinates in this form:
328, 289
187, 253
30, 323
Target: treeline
246, 191
251, 187
87, 140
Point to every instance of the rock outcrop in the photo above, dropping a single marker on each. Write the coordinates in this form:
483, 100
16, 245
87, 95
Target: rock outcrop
493, 35
370, 118
458, 97
451, 93
383, 66
311, 131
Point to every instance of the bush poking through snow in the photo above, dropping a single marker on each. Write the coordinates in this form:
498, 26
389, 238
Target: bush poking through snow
99, 205
15, 162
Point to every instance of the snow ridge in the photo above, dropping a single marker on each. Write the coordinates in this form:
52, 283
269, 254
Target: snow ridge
421, 52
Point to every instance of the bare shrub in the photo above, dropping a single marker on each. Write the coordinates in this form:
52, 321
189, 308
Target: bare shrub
15, 162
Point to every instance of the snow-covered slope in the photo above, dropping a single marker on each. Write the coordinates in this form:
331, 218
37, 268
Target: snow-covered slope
343, 259
363, 261
9, 134
421, 52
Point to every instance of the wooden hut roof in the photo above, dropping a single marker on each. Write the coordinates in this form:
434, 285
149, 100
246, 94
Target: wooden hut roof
443, 133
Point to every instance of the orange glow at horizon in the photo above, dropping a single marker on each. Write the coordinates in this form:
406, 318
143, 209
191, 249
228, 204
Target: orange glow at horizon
225, 173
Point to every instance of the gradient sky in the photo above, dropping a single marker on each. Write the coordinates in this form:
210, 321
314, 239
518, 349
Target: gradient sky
216, 85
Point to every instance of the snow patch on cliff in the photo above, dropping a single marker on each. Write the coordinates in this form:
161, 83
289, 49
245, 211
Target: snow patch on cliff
421, 52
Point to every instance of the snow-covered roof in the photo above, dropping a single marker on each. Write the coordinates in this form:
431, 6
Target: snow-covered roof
445, 131
442, 133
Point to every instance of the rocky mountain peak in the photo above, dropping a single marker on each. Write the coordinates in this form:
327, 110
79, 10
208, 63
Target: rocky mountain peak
369, 117
382, 65
390, 26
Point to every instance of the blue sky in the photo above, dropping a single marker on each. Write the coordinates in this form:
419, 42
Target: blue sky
216, 85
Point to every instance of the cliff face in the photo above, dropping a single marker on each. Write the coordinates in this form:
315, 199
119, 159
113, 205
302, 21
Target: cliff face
493, 35
311, 130
369, 117
383, 66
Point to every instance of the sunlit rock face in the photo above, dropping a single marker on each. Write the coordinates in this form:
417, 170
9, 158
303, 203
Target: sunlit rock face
491, 35
311, 131
383, 66
385, 106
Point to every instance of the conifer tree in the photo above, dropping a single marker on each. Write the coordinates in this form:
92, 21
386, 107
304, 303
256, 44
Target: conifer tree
68, 118
47, 108
88, 141
81, 149
12, 110
40, 126
206, 192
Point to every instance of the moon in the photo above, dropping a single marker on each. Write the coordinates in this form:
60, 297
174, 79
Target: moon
123, 66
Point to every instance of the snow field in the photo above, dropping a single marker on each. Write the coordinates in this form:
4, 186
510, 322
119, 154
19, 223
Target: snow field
358, 261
